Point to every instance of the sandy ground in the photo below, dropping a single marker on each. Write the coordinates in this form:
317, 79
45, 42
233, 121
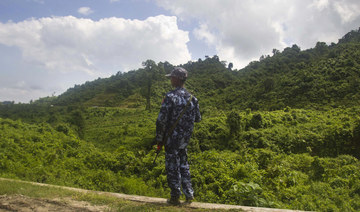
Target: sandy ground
24, 204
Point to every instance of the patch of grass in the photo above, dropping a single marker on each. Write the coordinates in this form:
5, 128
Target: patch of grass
9, 187
30, 190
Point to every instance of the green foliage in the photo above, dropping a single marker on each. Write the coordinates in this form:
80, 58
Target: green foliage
292, 158
151, 74
282, 132
234, 122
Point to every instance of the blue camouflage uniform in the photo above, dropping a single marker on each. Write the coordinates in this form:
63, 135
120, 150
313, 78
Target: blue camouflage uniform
176, 163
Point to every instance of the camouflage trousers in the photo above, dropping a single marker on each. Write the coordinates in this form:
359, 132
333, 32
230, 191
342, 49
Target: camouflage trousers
178, 173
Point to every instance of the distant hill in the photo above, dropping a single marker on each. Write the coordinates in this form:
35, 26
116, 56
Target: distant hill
326, 75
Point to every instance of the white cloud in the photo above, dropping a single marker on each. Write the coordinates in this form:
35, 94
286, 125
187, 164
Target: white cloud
242, 31
82, 48
203, 33
70, 44
85, 10
348, 12
21, 94
320, 4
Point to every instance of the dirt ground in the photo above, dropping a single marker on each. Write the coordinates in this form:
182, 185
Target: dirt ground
24, 204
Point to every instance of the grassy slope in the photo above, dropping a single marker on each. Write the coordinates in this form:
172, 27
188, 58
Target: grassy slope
11, 188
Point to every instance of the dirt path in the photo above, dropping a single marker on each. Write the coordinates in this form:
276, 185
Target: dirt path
23, 203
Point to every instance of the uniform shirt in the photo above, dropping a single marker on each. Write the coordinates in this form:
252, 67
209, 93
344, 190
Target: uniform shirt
173, 104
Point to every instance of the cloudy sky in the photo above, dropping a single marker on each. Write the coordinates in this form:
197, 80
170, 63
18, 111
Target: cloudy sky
48, 46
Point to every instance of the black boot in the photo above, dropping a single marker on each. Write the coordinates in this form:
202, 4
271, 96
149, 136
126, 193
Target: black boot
189, 199
174, 200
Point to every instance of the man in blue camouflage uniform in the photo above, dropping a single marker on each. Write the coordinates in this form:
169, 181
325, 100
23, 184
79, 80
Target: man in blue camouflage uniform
176, 164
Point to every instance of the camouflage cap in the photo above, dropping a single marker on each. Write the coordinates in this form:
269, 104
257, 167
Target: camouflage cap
178, 72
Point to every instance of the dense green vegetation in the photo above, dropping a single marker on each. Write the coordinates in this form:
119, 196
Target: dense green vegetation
324, 75
283, 132
299, 159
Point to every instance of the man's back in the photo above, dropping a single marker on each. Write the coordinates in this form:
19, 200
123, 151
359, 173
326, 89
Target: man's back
174, 103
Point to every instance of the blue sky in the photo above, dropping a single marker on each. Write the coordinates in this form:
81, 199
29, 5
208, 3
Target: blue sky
48, 46
18, 10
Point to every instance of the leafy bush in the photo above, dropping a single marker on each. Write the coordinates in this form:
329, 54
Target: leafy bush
298, 159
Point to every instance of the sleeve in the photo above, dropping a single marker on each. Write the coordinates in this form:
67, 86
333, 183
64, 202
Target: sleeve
163, 119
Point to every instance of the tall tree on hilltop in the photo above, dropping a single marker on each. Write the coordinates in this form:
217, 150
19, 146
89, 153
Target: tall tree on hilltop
149, 76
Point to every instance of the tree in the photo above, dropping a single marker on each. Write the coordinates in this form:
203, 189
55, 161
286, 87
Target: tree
150, 74
233, 120
321, 48
356, 138
256, 121
268, 84
296, 48
78, 121
262, 58
275, 52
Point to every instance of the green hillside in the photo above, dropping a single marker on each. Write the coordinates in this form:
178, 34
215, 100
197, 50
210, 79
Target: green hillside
298, 159
321, 76
284, 132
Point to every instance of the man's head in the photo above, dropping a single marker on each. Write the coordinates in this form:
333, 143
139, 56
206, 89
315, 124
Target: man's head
178, 76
